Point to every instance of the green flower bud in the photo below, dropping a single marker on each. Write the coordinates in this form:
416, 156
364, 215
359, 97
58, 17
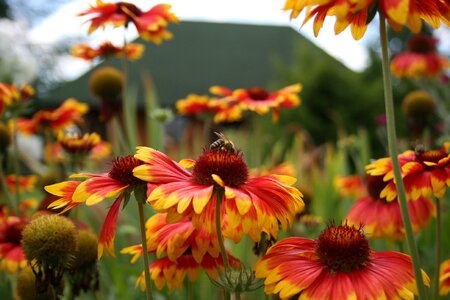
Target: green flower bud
26, 287
418, 104
50, 241
106, 83
86, 253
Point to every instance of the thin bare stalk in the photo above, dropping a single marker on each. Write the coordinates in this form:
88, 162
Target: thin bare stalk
392, 146
148, 283
437, 264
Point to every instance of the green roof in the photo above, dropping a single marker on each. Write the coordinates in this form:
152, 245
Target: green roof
201, 55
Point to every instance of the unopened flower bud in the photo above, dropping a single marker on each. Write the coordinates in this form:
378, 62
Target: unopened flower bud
50, 241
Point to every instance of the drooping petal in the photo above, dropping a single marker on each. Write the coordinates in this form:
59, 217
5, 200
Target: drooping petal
108, 233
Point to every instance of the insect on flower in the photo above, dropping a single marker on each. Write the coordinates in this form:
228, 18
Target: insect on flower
223, 144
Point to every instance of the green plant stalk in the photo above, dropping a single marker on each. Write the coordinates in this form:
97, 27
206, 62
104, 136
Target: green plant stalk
435, 285
16, 164
128, 102
4, 187
392, 146
148, 283
237, 296
219, 196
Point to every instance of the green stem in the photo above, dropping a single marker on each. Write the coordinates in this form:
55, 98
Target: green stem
392, 140
148, 283
237, 296
16, 162
219, 196
435, 292
4, 187
189, 290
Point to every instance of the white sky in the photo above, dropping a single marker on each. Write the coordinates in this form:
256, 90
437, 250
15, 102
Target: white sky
64, 24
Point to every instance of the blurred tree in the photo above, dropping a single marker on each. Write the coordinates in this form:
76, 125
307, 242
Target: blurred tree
334, 97
4, 9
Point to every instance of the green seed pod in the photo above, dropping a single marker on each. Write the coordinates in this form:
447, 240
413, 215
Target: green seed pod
50, 240
106, 83
418, 104
26, 287
86, 253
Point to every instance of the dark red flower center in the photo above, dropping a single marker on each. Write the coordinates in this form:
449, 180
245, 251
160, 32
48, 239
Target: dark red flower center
122, 170
343, 248
257, 93
228, 165
422, 43
127, 8
13, 232
375, 185
433, 156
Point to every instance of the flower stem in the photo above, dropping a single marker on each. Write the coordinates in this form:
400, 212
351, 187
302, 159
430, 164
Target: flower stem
392, 140
4, 188
435, 285
148, 283
219, 196
16, 161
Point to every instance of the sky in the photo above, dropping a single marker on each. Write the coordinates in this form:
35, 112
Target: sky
64, 24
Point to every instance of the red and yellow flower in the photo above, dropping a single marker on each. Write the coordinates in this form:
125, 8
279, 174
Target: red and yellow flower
11, 95
251, 204
260, 100
69, 113
12, 257
187, 250
338, 265
118, 183
358, 14
181, 250
420, 60
383, 219
151, 24
106, 49
350, 186
425, 173
75, 143
193, 104
26, 183
444, 278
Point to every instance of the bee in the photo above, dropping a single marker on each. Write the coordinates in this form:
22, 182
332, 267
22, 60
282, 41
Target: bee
223, 144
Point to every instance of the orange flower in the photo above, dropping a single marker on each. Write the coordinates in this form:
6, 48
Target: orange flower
26, 183
13, 98
350, 186
68, 114
260, 100
106, 49
425, 173
420, 60
383, 219
119, 182
187, 250
359, 13
12, 257
151, 24
444, 278
338, 265
252, 205
75, 143
193, 104
280, 169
